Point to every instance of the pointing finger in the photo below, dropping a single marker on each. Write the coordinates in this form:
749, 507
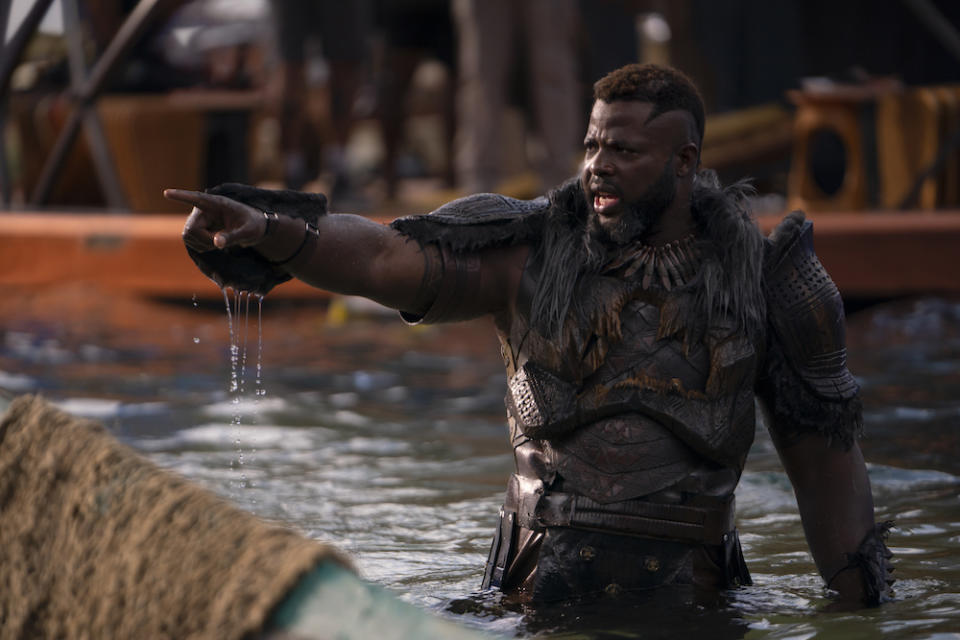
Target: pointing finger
196, 198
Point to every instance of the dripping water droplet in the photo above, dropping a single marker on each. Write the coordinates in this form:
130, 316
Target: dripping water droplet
260, 391
239, 338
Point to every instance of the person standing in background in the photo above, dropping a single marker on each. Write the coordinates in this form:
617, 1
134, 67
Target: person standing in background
340, 28
490, 34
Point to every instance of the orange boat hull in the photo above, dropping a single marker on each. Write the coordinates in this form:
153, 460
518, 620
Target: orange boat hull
867, 254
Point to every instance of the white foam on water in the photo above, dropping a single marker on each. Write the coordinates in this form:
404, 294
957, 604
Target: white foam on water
104, 409
16, 382
245, 406
222, 436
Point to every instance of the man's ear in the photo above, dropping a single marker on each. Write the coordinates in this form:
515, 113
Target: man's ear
688, 157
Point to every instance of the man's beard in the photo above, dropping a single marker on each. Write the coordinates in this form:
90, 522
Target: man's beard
640, 215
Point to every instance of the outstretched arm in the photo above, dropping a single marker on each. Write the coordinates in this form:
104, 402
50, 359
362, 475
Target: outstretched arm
836, 507
346, 254
353, 255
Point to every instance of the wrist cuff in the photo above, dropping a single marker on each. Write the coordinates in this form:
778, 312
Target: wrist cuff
872, 558
303, 251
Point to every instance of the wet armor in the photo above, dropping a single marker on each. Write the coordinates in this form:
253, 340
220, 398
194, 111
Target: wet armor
808, 386
630, 425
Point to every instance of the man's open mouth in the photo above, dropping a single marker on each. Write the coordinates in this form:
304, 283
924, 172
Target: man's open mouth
604, 201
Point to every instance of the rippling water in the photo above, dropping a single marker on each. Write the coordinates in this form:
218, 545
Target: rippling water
388, 442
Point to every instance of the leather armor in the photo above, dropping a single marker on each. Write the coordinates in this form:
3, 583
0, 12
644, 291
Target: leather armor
806, 312
624, 442
807, 383
648, 414
629, 435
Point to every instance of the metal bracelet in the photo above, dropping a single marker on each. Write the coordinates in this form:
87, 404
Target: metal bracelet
270, 217
310, 233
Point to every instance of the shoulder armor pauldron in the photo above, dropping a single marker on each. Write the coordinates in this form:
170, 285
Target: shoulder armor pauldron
477, 222
805, 311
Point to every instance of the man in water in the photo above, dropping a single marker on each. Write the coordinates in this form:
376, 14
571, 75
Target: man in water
640, 314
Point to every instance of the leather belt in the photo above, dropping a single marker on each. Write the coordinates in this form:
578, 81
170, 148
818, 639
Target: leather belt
695, 524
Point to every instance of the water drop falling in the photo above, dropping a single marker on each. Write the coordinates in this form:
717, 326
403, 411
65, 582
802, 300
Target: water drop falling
245, 299
234, 385
239, 339
260, 391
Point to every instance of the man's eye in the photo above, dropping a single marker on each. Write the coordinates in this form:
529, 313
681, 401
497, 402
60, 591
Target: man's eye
590, 145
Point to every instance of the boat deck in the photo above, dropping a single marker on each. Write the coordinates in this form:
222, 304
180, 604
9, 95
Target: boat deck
868, 254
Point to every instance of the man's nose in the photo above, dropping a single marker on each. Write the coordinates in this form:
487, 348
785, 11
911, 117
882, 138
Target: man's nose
599, 164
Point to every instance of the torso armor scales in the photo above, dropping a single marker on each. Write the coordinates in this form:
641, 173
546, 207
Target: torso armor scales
626, 427
631, 427
650, 412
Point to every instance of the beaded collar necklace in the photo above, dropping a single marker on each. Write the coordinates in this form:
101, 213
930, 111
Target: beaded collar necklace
671, 265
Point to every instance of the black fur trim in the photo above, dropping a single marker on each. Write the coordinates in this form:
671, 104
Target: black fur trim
782, 237
730, 281
480, 221
561, 253
243, 268
295, 204
798, 410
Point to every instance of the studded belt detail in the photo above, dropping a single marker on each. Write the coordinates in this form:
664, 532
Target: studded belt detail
707, 524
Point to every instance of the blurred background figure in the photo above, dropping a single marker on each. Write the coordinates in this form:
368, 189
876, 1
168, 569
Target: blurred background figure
494, 37
413, 32
199, 43
362, 99
340, 31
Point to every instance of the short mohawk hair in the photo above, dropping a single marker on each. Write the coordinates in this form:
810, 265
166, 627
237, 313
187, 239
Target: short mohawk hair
667, 89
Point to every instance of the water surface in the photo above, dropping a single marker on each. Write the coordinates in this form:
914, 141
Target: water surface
389, 442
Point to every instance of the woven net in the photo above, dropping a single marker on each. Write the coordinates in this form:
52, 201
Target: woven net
96, 542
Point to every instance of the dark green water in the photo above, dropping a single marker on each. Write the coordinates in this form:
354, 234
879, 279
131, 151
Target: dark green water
389, 443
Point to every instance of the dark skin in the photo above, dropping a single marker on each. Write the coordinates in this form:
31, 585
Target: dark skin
836, 506
625, 152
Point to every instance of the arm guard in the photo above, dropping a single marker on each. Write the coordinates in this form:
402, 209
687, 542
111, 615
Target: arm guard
446, 290
451, 238
872, 559
806, 384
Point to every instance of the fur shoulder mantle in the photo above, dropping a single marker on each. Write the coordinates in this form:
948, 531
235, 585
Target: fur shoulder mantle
477, 222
